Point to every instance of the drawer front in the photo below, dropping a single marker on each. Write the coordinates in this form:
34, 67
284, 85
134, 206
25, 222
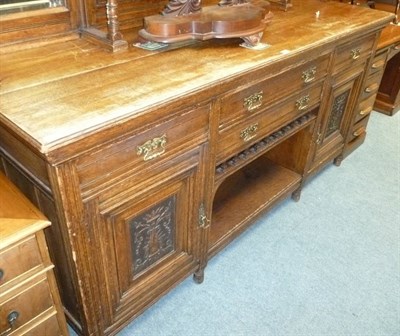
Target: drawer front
19, 259
253, 129
371, 85
26, 304
353, 52
48, 327
146, 148
379, 62
365, 108
359, 129
245, 102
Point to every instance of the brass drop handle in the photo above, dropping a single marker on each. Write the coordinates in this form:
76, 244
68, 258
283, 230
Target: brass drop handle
152, 148
355, 53
253, 101
371, 88
378, 64
309, 75
11, 319
249, 132
359, 132
303, 102
366, 111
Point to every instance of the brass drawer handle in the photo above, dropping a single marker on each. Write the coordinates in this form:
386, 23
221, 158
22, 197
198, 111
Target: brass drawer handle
355, 53
303, 102
366, 111
359, 132
11, 319
249, 132
152, 148
253, 102
309, 75
378, 64
371, 88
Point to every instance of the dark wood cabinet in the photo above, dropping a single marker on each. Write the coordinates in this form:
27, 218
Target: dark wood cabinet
150, 162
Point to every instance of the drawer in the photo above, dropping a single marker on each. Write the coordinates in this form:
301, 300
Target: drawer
359, 129
244, 102
353, 52
371, 85
253, 129
379, 62
142, 149
27, 303
19, 259
365, 108
48, 327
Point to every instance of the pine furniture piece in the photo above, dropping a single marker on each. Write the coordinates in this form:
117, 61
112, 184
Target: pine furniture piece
148, 163
29, 298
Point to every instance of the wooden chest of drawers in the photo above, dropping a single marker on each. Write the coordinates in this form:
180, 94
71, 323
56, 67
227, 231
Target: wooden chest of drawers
29, 298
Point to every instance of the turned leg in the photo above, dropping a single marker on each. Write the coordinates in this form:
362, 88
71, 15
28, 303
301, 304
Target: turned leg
198, 276
296, 194
338, 161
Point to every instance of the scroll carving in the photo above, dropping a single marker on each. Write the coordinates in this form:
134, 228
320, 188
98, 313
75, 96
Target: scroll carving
153, 234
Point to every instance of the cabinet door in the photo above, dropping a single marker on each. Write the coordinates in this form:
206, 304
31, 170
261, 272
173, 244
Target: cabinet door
149, 232
337, 114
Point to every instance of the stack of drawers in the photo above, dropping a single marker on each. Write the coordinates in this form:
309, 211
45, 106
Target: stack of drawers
366, 101
29, 299
252, 112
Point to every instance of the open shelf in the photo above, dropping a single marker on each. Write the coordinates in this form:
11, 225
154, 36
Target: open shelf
244, 195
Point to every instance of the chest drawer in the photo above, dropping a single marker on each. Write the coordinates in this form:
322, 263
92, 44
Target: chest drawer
359, 129
253, 129
353, 52
365, 108
13, 266
379, 62
29, 301
245, 102
141, 150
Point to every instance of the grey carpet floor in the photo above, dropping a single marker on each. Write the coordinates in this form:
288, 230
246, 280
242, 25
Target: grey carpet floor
327, 265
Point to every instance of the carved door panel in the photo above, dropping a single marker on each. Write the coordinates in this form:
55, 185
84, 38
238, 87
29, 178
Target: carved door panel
148, 235
338, 112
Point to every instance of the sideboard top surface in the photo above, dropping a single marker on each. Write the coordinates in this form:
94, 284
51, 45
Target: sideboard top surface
56, 94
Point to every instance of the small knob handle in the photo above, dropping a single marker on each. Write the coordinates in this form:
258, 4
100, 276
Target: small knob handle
1, 274
359, 132
366, 111
371, 88
12, 320
378, 64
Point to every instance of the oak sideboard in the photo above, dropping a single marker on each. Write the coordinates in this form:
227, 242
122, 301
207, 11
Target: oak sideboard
148, 163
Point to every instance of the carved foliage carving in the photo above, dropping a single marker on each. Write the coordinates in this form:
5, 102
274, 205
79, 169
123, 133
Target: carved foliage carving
338, 108
153, 234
